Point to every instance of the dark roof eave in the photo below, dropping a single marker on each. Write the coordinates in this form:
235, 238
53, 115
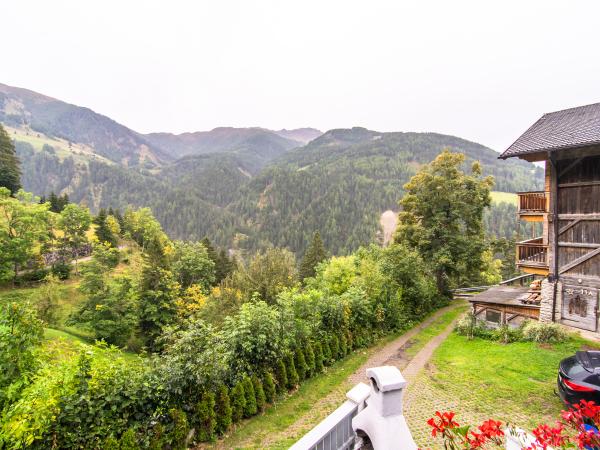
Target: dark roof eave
550, 149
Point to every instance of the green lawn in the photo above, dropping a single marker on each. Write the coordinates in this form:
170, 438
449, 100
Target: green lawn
505, 380
506, 197
285, 422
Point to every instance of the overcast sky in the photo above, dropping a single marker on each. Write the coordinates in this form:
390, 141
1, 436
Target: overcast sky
480, 70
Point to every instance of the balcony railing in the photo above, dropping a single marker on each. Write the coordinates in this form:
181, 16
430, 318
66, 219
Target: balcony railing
532, 253
532, 202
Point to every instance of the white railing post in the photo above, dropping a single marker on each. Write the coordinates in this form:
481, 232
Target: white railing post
382, 420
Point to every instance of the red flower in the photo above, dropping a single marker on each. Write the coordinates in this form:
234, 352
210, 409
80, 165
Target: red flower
444, 421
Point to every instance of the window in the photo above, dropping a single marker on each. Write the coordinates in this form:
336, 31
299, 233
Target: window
492, 316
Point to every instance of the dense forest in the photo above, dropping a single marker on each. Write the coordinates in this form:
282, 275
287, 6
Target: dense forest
246, 188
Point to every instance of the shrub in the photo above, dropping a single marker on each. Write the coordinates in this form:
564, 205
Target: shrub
506, 334
469, 326
281, 377
238, 402
250, 407
259, 393
111, 443
269, 387
157, 438
300, 363
335, 347
343, 346
350, 341
205, 411
129, 441
310, 360
318, 357
223, 411
327, 357
543, 332
62, 270
292, 375
179, 429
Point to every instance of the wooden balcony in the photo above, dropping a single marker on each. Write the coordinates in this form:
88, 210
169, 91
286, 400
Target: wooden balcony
532, 205
532, 256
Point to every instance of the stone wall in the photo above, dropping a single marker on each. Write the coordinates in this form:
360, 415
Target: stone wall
547, 300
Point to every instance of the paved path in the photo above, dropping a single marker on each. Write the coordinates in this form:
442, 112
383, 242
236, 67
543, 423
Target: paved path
392, 353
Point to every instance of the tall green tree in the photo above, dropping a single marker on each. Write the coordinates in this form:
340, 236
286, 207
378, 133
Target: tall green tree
24, 224
10, 170
442, 218
104, 231
313, 256
74, 222
192, 265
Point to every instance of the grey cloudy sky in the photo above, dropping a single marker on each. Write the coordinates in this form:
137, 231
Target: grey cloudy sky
481, 70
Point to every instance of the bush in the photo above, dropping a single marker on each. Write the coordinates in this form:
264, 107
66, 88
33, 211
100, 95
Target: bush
250, 407
111, 443
327, 357
62, 270
468, 326
259, 393
343, 346
223, 411
157, 437
318, 357
281, 377
506, 334
238, 402
310, 360
205, 412
335, 348
300, 363
292, 375
269, 387
129, 441
544, 332
179, 429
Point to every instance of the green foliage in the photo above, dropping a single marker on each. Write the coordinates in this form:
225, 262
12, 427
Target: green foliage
269, 387
334, 345
192, 265
111, 443
250, 407
267, 274
57, 203
74, 222
223, 410
327, 356
315, 254
254, 337
178, 429
259, 393
441, 218
61, 270
281, 376
104, 231
10, 170
206, 417
292, 374
310, 359
344, 345
129, 440
543, 332
319, 358
20, 332
46, 303
23, 227
238, 401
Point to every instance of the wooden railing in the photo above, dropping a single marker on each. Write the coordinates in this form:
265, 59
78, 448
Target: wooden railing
535, 201
532, 252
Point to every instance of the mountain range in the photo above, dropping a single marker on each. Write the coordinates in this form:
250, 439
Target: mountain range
244, 188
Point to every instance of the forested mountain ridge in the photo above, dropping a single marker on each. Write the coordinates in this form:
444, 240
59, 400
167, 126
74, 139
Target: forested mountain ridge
243, 188
341, 182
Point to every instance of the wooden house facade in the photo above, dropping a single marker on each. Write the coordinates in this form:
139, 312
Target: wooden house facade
567, 253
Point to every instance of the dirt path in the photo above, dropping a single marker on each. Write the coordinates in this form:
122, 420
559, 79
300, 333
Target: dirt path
392, 353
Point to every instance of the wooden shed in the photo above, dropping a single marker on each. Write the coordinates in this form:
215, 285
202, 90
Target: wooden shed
567, 252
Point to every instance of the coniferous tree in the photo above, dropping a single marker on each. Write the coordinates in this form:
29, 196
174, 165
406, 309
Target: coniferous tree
269, 387
281, 376
259, 393
10, 170
292, 374
250, 408
223, 410
315, 253
327, 356
103, 231
318, 357
300, 363
207, 421
310, 359
238, 402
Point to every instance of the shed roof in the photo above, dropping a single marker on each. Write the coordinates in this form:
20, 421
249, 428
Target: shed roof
569, 128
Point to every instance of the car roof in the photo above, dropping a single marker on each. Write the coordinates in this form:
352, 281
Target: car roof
589, 359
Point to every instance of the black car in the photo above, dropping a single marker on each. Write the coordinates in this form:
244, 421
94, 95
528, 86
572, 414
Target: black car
579, 378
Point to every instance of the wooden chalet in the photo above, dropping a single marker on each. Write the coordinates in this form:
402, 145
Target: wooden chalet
567, 253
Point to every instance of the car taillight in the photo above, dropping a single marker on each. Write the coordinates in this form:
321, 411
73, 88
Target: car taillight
576, 387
